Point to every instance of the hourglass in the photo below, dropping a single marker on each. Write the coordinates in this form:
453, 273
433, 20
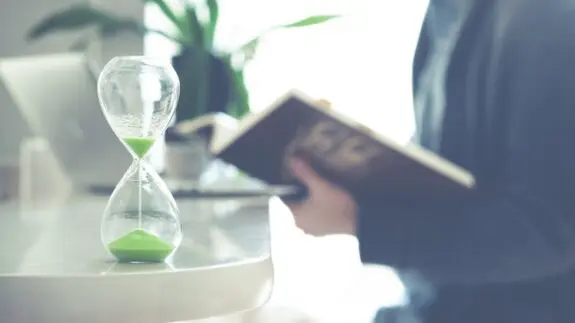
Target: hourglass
138, 96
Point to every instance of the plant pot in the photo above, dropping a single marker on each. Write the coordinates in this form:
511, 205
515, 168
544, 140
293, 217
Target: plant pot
205, 84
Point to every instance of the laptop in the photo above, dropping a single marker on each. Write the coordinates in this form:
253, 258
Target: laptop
57, 96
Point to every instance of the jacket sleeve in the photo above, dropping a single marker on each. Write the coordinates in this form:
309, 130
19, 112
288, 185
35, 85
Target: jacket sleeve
525, 228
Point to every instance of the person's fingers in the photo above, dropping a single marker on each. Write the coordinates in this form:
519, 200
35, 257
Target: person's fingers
294, 207
323, 103
305, 173
301, 213
298, 211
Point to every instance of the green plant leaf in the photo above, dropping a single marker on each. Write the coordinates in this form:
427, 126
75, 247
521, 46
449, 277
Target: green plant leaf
309, 21
214, 12
106, 25
73, 18
249, 49
241, 101
112, 29
175, 39
195, 29
138, 27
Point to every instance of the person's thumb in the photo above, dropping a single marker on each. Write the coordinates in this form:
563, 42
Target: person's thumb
305, 173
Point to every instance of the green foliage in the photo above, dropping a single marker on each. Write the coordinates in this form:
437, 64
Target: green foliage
73, 18
210, 29
314, 20
250, 47
195, 37
83, 17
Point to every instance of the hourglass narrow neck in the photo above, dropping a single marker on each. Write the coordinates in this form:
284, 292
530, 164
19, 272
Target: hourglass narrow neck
140, 171
139, 146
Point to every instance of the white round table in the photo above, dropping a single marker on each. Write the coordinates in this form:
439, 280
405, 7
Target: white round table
53, 267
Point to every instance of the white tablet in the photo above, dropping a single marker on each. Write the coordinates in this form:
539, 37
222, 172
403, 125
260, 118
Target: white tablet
57, 96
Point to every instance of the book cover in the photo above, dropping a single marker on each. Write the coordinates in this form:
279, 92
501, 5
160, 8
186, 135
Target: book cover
345, 152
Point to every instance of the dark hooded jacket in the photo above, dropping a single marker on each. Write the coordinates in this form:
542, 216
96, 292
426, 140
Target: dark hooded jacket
494, 84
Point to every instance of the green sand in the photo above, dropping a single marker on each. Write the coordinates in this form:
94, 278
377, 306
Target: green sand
139, 145
140, 246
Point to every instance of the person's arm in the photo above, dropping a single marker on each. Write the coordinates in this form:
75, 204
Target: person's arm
527, 228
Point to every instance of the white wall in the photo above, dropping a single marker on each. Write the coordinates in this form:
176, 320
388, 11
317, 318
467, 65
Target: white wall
125, 44
16, 18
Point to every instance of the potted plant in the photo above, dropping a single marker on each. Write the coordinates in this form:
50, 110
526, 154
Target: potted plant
211, 81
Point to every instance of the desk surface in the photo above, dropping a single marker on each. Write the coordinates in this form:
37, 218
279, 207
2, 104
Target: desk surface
53, 264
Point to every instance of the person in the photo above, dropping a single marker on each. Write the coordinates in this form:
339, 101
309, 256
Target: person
494, 92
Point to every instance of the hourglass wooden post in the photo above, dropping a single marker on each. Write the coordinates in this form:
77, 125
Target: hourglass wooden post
138, 96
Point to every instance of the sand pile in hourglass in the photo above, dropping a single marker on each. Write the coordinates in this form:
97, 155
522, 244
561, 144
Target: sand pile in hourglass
138, 96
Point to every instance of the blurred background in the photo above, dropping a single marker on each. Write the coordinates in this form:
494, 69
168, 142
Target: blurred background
360, 62
356, 54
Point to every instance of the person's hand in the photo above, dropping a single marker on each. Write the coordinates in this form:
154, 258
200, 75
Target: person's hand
328, 208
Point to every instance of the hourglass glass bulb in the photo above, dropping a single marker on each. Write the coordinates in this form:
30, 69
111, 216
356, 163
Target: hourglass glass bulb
141, 221
138, 96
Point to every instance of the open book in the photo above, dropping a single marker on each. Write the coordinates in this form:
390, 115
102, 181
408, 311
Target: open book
367, 164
